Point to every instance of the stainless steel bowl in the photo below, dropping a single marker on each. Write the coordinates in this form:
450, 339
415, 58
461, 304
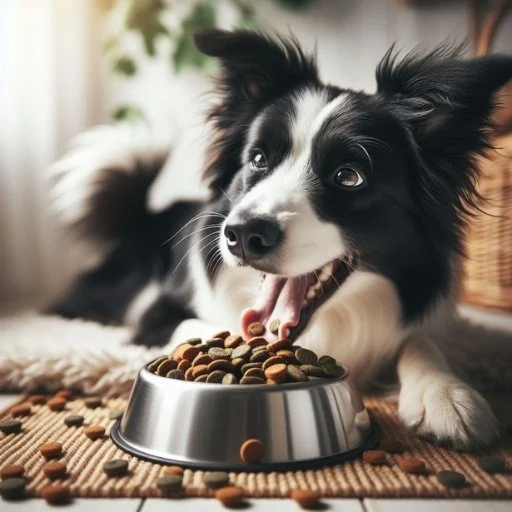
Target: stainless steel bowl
203, 425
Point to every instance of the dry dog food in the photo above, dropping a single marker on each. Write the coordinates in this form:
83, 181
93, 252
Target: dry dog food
21, 410
376, 457
54, 470
215, 479
492, 465
116, 467
55, 494
170, 484
10, 427
412, 465
66, 394
12, 471
94, 431
92, 402
230, 496
305, 498
228, 359
252, 451
37, 399
51, 450
12, 488
392, 447
57, 403
74, 420
452, 479
172, 470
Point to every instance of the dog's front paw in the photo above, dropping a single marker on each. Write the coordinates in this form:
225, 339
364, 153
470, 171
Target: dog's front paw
443, 409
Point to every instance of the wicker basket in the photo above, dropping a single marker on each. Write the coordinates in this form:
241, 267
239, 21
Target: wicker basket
487, 270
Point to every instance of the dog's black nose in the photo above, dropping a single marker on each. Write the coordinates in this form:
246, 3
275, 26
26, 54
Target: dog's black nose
254, 238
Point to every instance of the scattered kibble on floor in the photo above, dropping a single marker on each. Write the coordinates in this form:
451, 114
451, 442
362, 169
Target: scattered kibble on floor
56, 494
375, 457
169, 484
51, 450
12, 488
230, 496
94, 431
306, 498
215, 479
116, 467
12, 471
11, 427
492, 465
54, 470
451, 479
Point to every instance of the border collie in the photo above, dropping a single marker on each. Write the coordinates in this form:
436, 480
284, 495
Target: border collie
338, 212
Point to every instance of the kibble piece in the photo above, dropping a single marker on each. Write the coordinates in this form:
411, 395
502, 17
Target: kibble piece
115, 415
312, 370
246, 367
333, 371
492, 464
202, 360
54, 470
295, 374
216, 377
67, 394
273, 360
37, 399
326, 360
190, 353
176, 374
189, 374
12, 488
51, 450
94, 431
287, 355
258, 341
283, 344
21, 410
271, 382
376, 457
170, 484
194, 341
55, 493
116, 467
255, 372
12, 471
305, 356
229, 378
259, 356
152, 367
172, 470
252, 451
412, 465
166, 366
218, 353
305, 498
243, 352
451, 479
56, 403
198, 370
74, 420
10, 427
233, 341
230, 496
256, 329
92, 402
274, 326
184, 365
221, 364
392, 446
222, 335
238, 363
215, 479
251, 380
214, 343
276, 372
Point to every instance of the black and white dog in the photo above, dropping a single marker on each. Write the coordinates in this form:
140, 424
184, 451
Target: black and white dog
339, 213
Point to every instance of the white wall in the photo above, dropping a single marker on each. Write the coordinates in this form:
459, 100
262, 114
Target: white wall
56, 88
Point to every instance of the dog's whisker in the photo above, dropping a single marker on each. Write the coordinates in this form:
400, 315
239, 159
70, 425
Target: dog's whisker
201, 215
193, 246
204, 228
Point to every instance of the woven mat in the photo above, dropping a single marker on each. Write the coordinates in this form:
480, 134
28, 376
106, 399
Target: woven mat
85, 458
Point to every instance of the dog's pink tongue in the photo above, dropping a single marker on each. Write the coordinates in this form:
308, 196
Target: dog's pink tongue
278, 298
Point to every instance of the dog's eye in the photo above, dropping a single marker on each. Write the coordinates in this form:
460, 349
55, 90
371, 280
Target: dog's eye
258, 160
347, 177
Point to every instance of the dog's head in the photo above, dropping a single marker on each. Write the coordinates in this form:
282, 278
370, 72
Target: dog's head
321, 175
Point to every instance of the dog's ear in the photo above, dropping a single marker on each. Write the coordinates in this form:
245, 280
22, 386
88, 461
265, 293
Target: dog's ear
446, 102
255, 70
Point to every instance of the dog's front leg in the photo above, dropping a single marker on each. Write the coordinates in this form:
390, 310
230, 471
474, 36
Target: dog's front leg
436, 404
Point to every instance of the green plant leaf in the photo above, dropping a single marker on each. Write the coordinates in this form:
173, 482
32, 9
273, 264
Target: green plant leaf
144, 17
128, 113
125, 66
296, 5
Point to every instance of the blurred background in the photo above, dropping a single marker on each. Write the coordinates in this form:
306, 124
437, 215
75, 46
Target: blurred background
68, 65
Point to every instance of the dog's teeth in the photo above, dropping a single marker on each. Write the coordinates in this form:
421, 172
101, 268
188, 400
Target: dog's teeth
317, 286
325, 278
311, 294
304, 304
326, 272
